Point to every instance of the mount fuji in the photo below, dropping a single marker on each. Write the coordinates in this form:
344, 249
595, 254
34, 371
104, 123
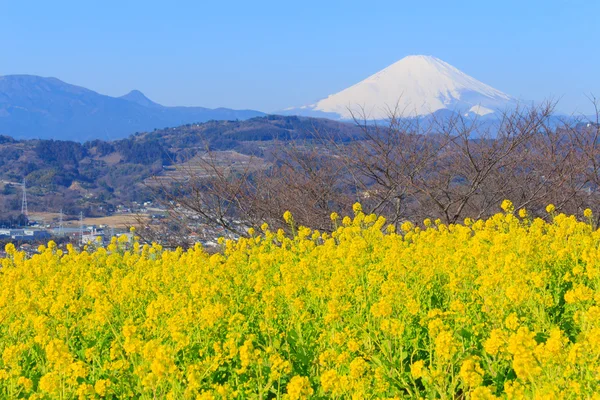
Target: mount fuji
414, 86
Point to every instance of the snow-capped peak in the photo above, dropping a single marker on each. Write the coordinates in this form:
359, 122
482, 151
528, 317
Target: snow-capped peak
415, 85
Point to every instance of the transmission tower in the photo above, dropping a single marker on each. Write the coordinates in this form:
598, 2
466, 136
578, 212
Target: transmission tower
60, 223
24, 200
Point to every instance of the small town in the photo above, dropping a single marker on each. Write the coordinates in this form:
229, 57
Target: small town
81, 233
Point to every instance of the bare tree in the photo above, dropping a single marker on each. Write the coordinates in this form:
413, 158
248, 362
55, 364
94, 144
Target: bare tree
449, 167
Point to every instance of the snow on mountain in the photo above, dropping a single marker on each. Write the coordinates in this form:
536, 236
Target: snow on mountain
414, 86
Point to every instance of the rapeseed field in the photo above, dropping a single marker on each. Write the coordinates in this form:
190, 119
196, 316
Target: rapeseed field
507, 307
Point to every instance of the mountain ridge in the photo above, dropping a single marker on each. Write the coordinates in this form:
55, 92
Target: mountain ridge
140, 98
47, 108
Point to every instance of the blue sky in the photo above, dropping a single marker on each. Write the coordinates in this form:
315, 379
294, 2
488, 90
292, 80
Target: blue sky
268, 55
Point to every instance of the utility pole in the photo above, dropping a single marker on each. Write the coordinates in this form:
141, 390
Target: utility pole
60, 224
24, 210
81, 226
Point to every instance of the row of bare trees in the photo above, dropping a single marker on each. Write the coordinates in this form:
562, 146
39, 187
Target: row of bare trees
406, 169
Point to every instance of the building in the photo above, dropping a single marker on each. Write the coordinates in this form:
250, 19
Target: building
25, 235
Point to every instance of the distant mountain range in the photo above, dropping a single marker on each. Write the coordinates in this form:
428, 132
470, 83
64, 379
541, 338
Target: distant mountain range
415, 86
47, 108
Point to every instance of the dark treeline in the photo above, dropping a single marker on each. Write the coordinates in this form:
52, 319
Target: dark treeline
58, 152
13, 221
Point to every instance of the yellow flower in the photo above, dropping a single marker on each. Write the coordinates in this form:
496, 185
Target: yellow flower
550, 208
483, 393
25, 382
382, 308
357, 208
50, 383
101, 387
514, 390
471, 372
507, 206
358, 367
445, 347
353, 346
523, 213
279, 366
522, 345
495, 342
579, 293
512, 321
334, 216
299, 388
407, 226
79, 370
287, 217
587, 213
10, 249
417, 369
330, 381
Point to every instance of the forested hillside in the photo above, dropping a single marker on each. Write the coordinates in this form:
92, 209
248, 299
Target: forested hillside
97, 176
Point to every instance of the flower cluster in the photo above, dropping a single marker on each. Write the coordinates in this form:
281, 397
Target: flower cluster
507, 307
